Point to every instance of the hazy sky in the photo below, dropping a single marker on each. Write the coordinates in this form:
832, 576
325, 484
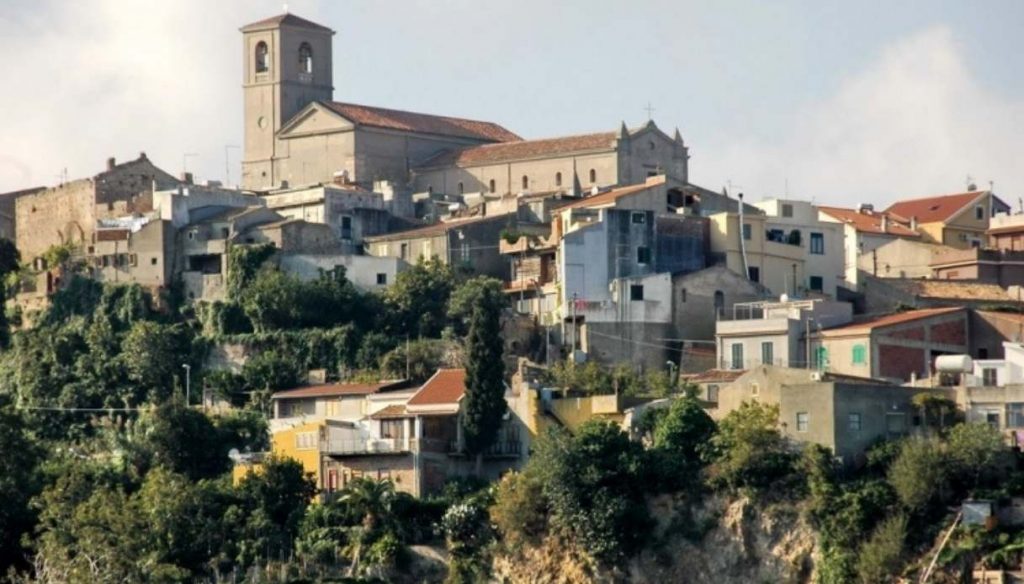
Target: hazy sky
844, 102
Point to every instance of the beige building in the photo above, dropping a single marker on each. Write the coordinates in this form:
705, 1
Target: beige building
133, 250
557, 164
68, 213
864, 231
900, 258
958, 220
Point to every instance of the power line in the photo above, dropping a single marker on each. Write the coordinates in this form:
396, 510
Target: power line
56, 409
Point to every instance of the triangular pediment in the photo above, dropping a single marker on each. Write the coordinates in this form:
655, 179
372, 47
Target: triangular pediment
315, 119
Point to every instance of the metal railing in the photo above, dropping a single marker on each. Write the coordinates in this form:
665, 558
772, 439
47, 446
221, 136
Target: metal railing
365, 446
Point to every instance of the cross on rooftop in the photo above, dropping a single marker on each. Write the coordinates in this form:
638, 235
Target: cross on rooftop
649, 110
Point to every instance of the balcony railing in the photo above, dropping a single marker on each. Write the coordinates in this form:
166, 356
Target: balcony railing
365, 446
499, 449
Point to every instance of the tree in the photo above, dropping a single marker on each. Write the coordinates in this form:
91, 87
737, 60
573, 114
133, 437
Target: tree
484, 400
594, 484
471, 293
9, 262
273, 503
681, 437
19, 482
919, 473
419, 298
749, 451
371, 500
152, 355
975, 452
185, 441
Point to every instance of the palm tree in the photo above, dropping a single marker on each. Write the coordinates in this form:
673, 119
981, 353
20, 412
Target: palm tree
370, 499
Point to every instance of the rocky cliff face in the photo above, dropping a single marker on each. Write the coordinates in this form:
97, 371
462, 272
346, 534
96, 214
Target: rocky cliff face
713, 541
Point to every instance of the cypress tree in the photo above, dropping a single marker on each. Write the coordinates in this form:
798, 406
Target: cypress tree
485, 372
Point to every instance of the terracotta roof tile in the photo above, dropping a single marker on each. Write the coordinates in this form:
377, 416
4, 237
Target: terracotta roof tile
446, 387
432, 230
392, 411
286, 19
390, 119
523, 149
610, 197
870, 222
336, 389
889, 320
933, 209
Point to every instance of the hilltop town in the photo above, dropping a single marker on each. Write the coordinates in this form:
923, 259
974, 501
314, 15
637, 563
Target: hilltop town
435, 311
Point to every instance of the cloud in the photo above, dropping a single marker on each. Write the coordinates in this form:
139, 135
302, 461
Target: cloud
102, 78
915, 122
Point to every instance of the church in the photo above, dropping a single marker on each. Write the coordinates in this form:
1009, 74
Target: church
296, 134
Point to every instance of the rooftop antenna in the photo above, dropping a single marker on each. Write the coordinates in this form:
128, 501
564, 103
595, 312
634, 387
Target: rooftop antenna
650, 111
970, 183
286, 8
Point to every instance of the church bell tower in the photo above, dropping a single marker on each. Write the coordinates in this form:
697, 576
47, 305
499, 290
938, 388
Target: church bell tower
287, 66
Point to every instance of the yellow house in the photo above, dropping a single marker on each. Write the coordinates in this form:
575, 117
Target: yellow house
958, 220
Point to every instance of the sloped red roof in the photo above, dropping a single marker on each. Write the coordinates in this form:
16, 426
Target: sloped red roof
890, 319
610, 197
391, 119
933, 209
389, 412
446, 387
523, 149
870, 222
335, 389
286, 19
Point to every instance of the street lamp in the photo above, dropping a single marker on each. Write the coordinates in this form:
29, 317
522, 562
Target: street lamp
188, 384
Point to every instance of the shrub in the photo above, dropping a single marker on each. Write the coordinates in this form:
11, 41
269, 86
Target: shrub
881, 556
749, 451
520, 511
919, 473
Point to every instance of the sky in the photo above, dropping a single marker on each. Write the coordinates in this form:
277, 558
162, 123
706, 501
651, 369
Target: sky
834, 102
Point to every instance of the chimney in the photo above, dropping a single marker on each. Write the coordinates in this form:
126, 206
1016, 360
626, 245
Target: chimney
865, 208
142, 155
186, 177
885, 223
913, 222
111, 163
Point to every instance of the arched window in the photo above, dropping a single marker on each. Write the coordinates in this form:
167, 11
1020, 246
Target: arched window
526, 182
492, 185
262, 61
593, 176
305, 58
558, 179
462, 188
719, 301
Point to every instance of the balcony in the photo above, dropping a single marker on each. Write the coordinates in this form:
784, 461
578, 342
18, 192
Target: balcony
365, 447
510, 448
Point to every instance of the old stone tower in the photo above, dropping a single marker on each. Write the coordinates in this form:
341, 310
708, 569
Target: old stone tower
287, 66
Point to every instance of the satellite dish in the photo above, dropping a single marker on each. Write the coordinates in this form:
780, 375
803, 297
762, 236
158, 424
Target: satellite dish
234, 454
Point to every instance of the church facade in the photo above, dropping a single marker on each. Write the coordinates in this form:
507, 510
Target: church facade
296, 134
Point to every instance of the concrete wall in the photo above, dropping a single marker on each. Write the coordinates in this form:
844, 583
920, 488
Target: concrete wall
900, 258
145, 257
694, 312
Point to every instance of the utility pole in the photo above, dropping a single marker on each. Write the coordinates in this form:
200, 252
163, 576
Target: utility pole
188, 384
807, 340
572, 311
227, 164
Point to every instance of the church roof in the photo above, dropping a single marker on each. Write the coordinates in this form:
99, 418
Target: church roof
421, 123
523, 149
286, 19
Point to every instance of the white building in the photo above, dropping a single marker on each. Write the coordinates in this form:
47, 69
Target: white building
774, 332
864, 231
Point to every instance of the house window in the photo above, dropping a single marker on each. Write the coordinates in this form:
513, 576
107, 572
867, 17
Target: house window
526, 182
821, 358
860, 356
262, 60
639, 218
992, 418
1015, 415
817, 244
643, 255
988, 376
346, 227
153, 261
394, 429
747, 231
682, 295
558, 179
636, 292
853, 422
462, 188
737, 356
802, 421
979, 213
404, 251
382, 279
593, 176
816, 283
492, 186
767, 353
754, 273
719, 301
755, 389
305, 58
191, 235
787, 210
713, 393
983, 353
464, 252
